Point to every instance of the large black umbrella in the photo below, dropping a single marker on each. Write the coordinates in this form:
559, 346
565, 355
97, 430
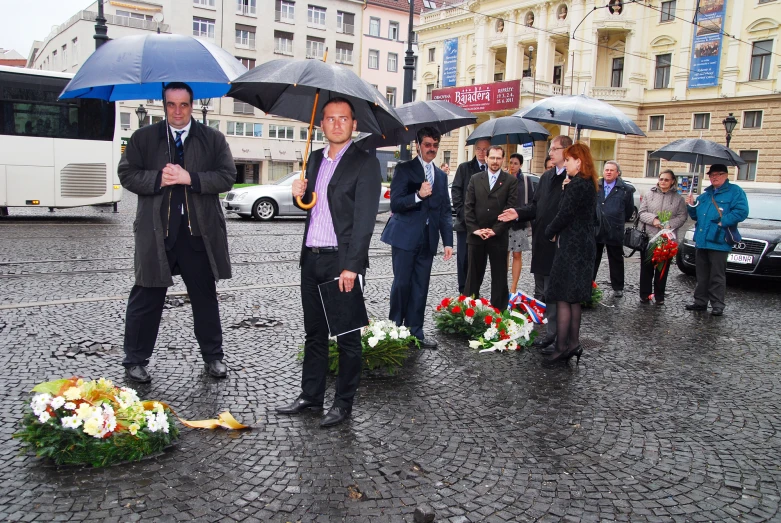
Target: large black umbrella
698, 152
299, 89
439, 114
581, 112
508, 130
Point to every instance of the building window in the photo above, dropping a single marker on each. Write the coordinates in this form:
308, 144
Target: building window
315, 47
317, 134
203, 27
393, 30
315, 15
345, 23
242, 108
557, 74
766, 1
64, 57
214, 124
281, 132
748, 172
760, 59
446, 157
652, 166
374, 26
656, 123
390, 95
344, 53
245, 37
243, 129
285, 11
668, 12
283, 42
432, 54
429, 90
135, 16
393, 62
205, 3
374, 59
414, 95
414, 68
752, 119
55, 61
249, 63
246, 7
662, 77
75, 50
498, 77
701, 121
617, 76
124, 121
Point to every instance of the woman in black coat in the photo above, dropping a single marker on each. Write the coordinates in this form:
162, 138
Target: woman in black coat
573, 229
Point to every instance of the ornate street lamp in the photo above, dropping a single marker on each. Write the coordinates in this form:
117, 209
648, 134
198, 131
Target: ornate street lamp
141, 112
204, 109
729, 125
531, 71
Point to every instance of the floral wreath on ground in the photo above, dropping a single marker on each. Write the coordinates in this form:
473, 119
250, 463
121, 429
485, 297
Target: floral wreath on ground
486, 327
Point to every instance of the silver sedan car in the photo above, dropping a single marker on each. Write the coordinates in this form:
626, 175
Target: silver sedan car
264, 202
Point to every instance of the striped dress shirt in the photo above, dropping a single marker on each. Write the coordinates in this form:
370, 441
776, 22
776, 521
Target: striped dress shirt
321, 225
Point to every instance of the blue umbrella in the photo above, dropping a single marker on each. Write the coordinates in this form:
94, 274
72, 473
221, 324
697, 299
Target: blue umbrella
136, 67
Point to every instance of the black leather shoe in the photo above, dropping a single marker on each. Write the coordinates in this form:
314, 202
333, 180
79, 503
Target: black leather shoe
645, 301
426, 343
618, 294
543, 341
696, 307
335, 416
548, 349
299, 406
717, 312
216, 369
138, 374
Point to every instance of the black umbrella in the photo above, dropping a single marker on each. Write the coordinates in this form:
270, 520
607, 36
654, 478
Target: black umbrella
698, 152
439, 114
507, 130
299, 89
581, 112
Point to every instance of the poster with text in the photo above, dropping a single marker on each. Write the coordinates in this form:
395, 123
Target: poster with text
450, 62
706, 44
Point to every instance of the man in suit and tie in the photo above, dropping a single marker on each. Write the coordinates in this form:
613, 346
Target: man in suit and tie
336, 241
489, 193
177, 167
421, 214
464, 173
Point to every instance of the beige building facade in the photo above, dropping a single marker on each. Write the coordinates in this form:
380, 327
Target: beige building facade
637, 58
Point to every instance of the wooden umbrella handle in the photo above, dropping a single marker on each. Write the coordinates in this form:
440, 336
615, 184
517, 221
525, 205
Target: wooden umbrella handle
299, 201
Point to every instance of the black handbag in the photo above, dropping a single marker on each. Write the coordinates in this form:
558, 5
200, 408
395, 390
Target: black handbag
635, 239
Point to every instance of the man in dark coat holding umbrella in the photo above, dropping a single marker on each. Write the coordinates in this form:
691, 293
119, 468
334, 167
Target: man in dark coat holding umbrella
458, 195
178, 168
543, 208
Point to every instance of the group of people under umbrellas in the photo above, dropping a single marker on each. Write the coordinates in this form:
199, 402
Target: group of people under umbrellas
178, 167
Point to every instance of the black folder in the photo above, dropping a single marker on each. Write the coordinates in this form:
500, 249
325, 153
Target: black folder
344, 311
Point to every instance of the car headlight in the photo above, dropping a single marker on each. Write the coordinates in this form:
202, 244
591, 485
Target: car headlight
778, 247
240, 196
689, 236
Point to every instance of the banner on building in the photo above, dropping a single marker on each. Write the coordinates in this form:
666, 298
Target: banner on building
450, 62
496, 96
706, 44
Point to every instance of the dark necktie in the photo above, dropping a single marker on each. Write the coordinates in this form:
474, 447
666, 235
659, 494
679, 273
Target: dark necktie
482, 167
179, 146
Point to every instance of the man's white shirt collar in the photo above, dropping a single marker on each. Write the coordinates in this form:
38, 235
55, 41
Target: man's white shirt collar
560, 170
491, 173
425, 163
186, 130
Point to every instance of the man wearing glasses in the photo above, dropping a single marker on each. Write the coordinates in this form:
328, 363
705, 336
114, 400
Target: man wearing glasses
542, 209
457, 195
718, 211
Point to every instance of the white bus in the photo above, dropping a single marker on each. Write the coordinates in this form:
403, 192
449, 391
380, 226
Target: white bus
54, 153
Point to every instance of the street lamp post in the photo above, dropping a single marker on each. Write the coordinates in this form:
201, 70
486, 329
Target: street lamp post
409, 67
531, 70
141, 112
101, 30
729, 125
204, 108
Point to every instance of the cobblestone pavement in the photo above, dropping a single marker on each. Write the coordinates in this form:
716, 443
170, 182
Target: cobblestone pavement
670, 416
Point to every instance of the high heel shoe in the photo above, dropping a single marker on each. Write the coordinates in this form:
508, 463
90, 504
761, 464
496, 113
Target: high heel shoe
577, 352
557, 357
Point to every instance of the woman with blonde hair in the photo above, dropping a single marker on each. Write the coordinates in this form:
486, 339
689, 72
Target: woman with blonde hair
573, 229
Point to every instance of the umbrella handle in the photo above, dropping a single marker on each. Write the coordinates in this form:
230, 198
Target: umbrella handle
307, 206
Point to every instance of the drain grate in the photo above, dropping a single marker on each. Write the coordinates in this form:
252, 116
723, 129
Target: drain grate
588, 343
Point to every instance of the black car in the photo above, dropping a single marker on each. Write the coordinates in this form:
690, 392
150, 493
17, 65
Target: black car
759, 253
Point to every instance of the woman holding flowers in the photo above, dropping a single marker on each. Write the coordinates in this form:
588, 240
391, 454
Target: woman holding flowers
662, 209
573, 229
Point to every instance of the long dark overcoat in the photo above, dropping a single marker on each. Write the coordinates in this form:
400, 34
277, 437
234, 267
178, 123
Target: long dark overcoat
207, 157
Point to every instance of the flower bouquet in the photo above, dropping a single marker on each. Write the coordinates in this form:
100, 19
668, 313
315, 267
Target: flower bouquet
76, 422
662, 247
509, 330
384, 347
465, 316
596, 296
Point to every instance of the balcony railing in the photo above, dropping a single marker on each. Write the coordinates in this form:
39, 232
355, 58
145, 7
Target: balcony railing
609, 93
528, 85
348, 29
91, 16
280, 16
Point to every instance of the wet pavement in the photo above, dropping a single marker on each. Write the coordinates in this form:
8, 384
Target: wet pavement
670, 416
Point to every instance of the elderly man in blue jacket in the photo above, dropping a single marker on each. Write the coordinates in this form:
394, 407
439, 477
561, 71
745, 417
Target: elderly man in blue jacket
718, 211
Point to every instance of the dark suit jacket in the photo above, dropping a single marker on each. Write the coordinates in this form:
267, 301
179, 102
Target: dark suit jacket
458, 191
617, 208
408, 222
484, 205
353, 198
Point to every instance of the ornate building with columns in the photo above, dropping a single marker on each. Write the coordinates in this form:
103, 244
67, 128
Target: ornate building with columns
649, 60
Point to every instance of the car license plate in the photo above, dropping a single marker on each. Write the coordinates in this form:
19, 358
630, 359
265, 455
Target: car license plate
740, 258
